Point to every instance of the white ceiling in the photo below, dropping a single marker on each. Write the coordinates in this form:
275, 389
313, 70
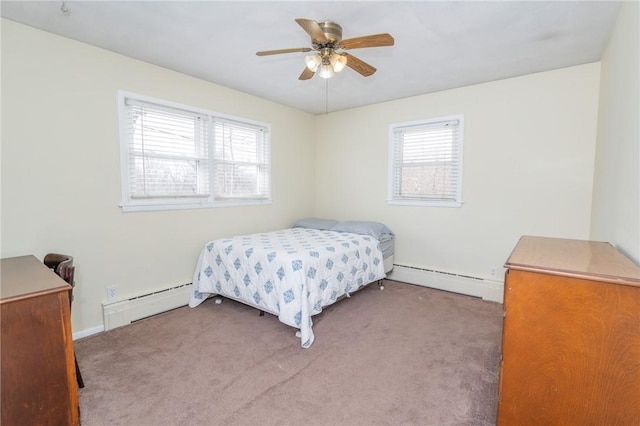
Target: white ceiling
438, 45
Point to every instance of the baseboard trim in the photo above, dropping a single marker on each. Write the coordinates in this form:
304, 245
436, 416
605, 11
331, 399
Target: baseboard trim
88, 332
462, 284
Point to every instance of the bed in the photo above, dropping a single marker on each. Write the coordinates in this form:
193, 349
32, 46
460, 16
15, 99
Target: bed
294, 273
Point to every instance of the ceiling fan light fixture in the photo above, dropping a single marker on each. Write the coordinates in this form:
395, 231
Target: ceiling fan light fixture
326, 71
312, 62
338, 62
326, 40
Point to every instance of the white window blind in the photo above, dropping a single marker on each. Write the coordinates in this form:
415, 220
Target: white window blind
168, 155
174, 156
241, 160
426, 162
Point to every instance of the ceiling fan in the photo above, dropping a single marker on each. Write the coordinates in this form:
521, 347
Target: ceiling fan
326, 39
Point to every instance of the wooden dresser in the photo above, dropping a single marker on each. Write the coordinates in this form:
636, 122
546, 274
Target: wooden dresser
38, 376
571, 336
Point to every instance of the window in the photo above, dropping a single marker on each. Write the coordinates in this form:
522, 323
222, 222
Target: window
426, 162
176, 157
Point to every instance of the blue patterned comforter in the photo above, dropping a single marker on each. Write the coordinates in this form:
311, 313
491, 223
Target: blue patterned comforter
292, 273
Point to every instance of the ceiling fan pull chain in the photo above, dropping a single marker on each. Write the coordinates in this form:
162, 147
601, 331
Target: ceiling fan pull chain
326, 102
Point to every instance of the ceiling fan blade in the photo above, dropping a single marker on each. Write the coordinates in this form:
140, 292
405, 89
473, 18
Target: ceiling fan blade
374, 40
359, 65
313, 29
306, 74
277, 52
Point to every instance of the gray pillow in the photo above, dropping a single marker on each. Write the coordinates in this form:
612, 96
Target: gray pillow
377, 230
314, 223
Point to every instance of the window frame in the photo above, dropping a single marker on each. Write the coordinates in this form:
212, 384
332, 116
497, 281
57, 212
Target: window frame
426, 201
131, 203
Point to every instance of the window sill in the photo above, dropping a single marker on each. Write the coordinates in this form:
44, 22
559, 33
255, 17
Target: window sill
425, 203
128, 208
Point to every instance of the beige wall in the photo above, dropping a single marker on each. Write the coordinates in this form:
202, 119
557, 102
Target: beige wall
529, 147
616, 188
529, 153
61, 168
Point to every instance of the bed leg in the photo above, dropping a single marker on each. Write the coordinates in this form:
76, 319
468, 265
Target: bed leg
261, 313
380, 285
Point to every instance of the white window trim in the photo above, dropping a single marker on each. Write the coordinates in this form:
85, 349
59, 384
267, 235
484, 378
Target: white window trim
424, 202
177, 203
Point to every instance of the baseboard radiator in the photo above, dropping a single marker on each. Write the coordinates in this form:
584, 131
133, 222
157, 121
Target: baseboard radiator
456, 283
123, 312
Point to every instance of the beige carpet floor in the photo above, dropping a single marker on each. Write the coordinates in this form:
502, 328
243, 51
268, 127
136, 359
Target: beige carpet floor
407, 355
